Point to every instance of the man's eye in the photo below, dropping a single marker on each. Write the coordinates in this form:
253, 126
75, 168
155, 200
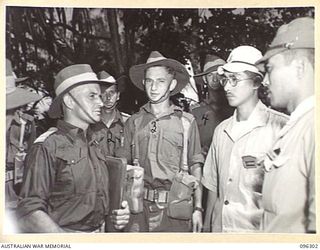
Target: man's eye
268, 68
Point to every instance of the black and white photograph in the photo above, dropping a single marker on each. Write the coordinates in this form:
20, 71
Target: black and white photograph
160, 120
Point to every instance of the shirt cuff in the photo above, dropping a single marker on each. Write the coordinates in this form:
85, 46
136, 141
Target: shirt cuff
205, 182
29, 205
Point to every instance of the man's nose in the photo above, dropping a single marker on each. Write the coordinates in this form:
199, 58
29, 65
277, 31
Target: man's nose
154, 85
99, 101
265, 82
227, 86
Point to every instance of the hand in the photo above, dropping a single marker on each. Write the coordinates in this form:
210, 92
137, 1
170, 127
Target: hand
120, 217
197, 221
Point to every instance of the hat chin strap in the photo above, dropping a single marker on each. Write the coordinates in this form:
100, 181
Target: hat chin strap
80, 106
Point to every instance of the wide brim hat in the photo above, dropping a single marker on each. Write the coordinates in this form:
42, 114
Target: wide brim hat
298, 34
211, 64
137, 72
67, 79
15, 96
242, 58
108, 81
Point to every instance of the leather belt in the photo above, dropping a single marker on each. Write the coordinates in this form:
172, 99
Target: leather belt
156, 195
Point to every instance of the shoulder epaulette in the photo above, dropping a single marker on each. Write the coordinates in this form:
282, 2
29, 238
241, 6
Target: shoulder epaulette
45, 135
188, 116
275, 112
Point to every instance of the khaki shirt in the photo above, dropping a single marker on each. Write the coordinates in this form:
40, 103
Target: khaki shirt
158, 142
289, 187
232, 170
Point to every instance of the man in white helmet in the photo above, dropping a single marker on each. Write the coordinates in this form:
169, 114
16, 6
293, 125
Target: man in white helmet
232, 172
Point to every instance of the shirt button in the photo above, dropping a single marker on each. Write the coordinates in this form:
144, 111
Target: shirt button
226, 202
230, 180
73, 161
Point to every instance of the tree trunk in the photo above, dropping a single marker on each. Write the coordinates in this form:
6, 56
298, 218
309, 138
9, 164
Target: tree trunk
113, 25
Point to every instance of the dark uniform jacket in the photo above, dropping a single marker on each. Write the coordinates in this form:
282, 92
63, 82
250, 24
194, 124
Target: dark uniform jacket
66, 177
111, 139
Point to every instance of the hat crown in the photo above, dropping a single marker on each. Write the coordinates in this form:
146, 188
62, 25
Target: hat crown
72, 75
245, 54
106, 77
155, 56
299, 33
212, 61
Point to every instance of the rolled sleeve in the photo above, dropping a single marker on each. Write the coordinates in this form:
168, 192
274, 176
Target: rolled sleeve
35, 187
194, 147
209, 178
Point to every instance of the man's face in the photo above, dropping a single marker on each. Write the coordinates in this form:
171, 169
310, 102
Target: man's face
242, 91
110, 96
212, 80
88, 96
158, 83
279, 79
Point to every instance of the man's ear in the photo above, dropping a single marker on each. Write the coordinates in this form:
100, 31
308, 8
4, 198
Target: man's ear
301, 65
204, 79
67, 101
173, 84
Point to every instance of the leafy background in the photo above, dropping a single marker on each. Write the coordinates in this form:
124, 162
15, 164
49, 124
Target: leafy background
41, 41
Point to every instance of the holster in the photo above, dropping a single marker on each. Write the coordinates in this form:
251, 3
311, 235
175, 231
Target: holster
180, 201
134, 190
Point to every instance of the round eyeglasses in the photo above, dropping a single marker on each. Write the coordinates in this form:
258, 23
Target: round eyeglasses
233, 80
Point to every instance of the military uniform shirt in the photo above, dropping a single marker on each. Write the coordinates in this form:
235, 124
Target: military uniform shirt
232, 171
66, 177
289, 187
158, 142
111, 139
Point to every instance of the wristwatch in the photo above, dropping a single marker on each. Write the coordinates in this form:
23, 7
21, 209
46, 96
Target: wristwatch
199, 209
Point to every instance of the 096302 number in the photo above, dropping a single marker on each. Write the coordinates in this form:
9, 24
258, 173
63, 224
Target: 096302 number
309, 246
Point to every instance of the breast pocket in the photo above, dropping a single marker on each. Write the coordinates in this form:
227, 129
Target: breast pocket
72, 174
170, 149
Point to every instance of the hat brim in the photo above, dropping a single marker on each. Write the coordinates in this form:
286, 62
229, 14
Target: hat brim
240, 67
270, 53
137, 72
209, 70
20, 97
21, 79
55, 107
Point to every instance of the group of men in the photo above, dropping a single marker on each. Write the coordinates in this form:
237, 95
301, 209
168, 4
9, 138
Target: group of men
256, 163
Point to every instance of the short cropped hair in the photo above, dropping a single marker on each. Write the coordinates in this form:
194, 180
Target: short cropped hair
291, 54
257, 79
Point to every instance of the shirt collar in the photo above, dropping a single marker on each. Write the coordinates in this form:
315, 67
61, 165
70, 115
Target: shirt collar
257, 116
256, 119
72, 132
302, 108
117, 118
172, 109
